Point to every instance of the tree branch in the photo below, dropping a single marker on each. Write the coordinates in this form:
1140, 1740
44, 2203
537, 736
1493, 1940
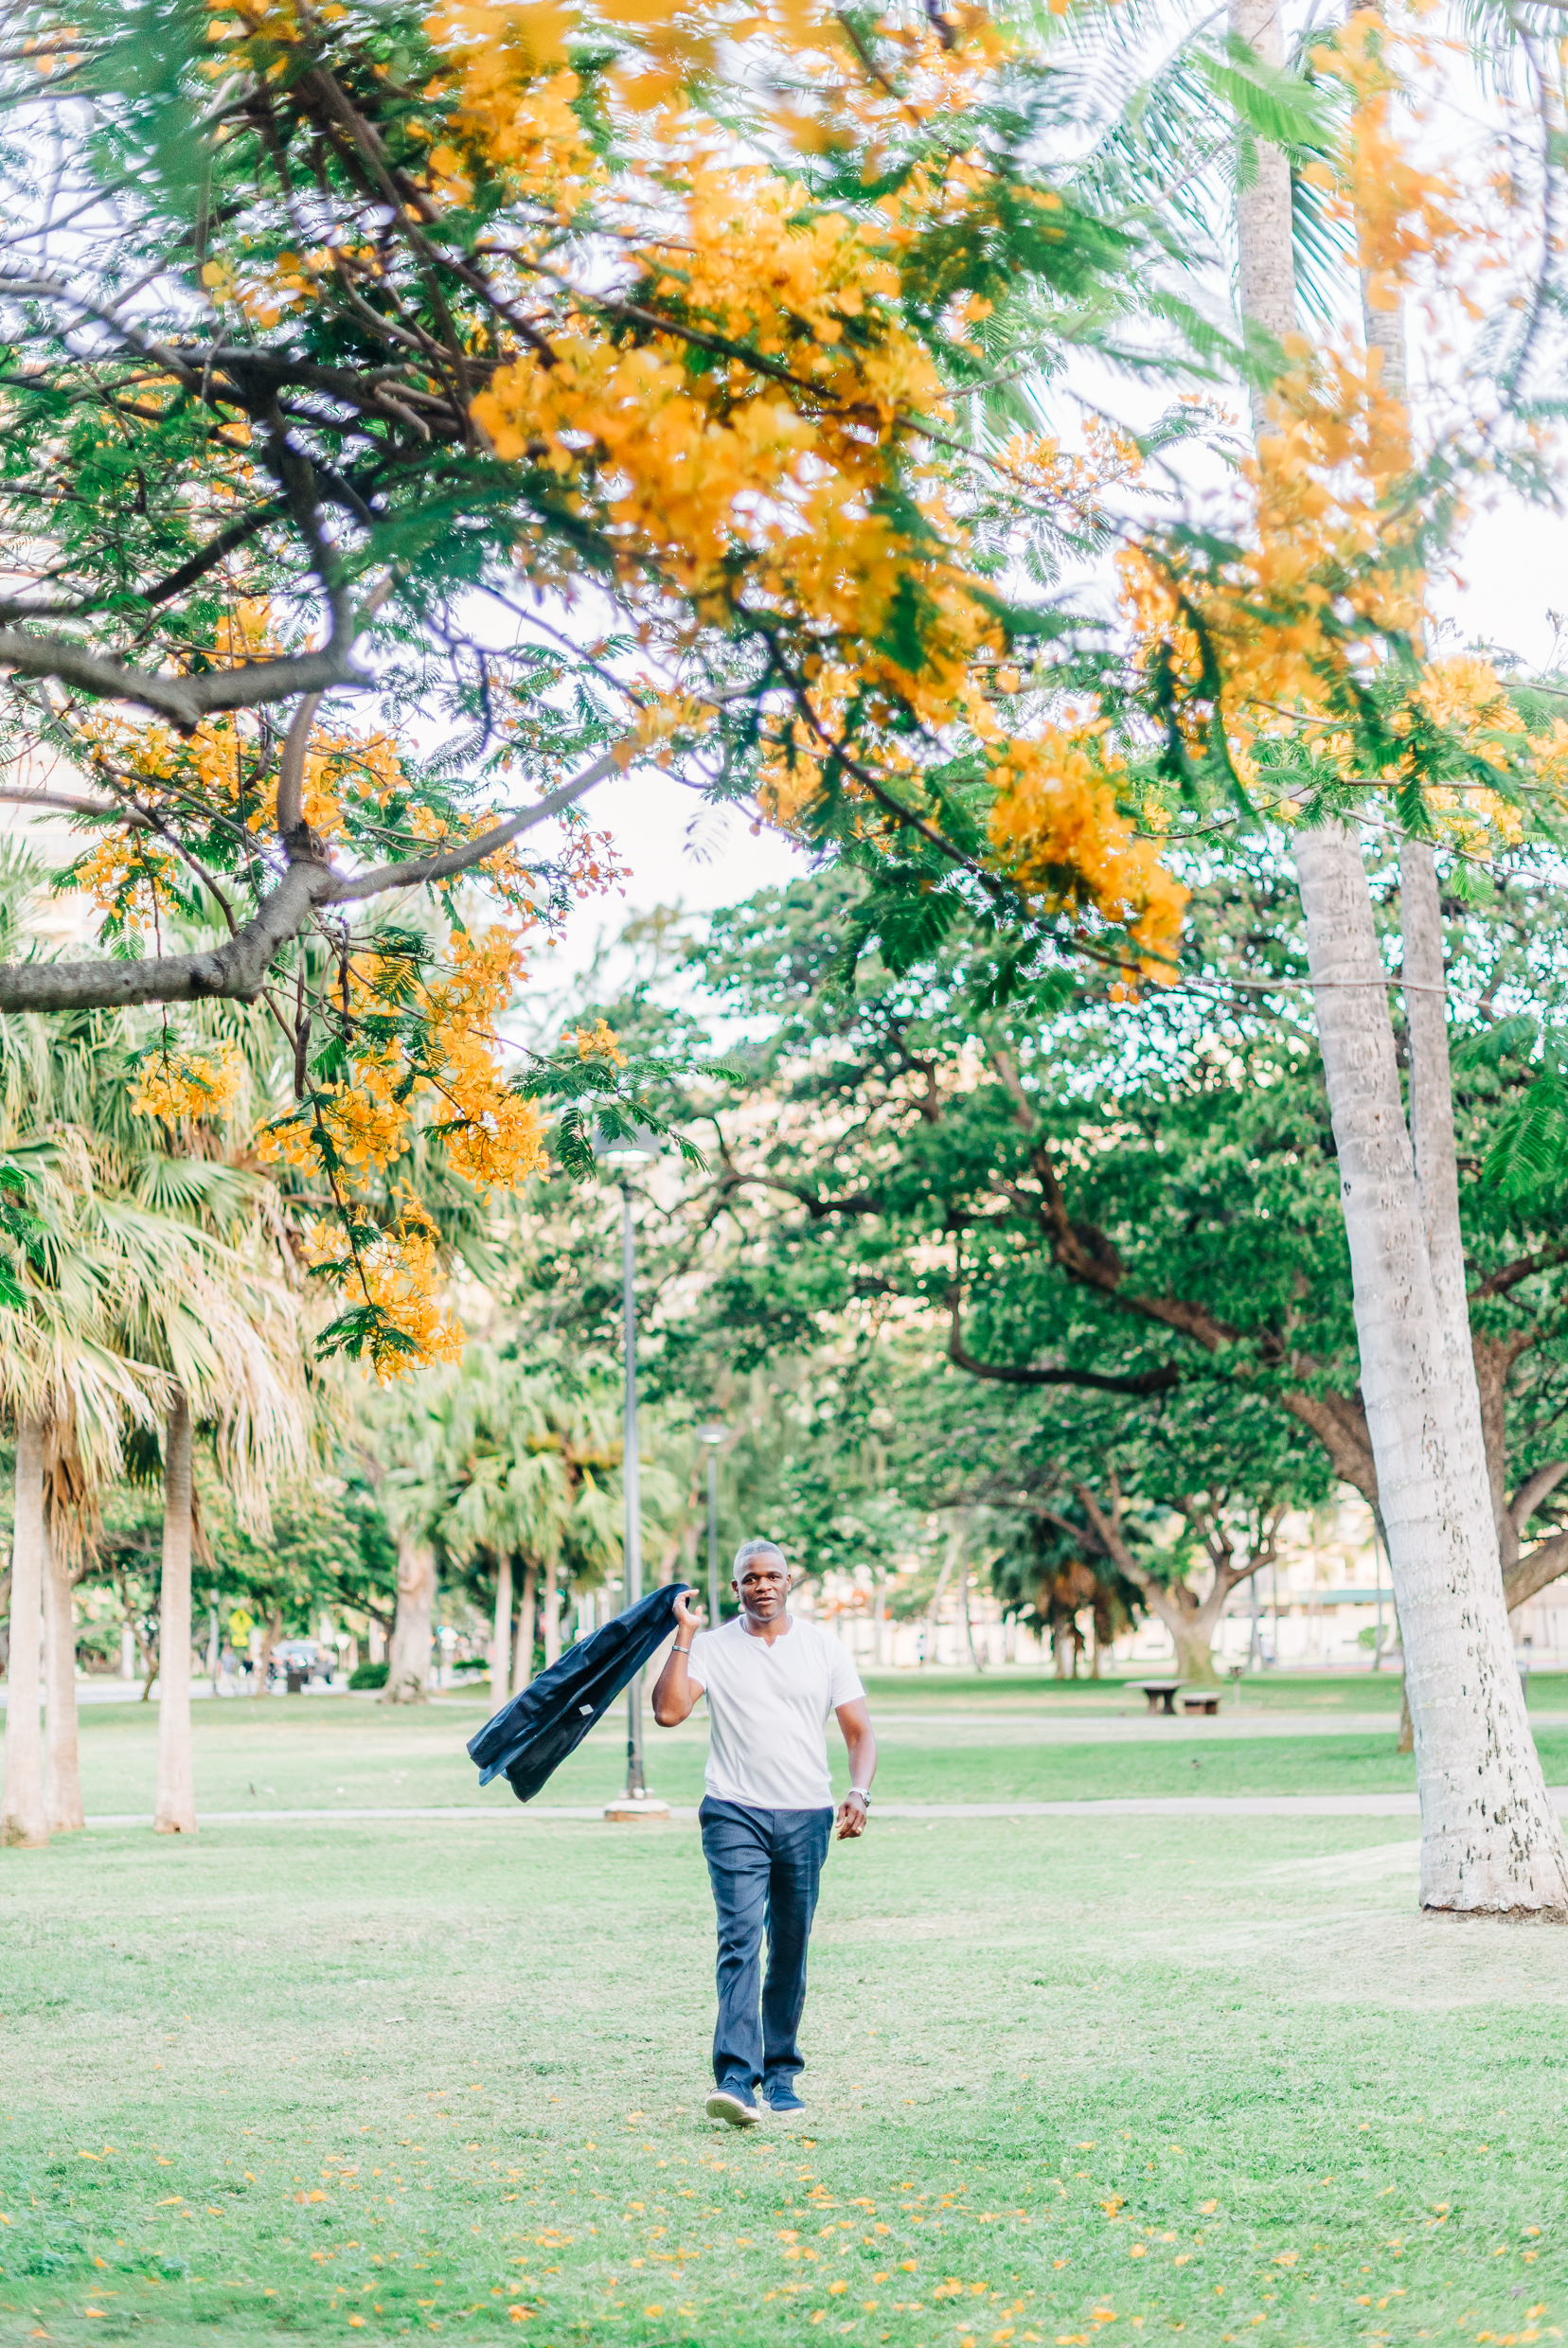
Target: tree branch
236, 969
1018, 1374
291, 772
185, 701
417, 870
1499, 1283
1531, 1574
20, 795
1534, 1490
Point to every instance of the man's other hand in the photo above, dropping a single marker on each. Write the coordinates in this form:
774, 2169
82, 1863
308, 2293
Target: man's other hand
851, 1820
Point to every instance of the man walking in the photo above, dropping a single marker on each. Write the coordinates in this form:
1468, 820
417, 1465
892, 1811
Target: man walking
771, 1682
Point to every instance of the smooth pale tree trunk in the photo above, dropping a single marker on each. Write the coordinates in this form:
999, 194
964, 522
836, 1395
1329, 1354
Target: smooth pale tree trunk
271, 1632
174, 1807
977, 1662
1191, 1628
523, 1669
412, 1626
1266, 279
552, 1611
1490, 1839
22, 1824
501, 1632
62, 1810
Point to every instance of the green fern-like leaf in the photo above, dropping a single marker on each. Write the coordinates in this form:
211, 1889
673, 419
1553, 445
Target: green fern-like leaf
1531, 1147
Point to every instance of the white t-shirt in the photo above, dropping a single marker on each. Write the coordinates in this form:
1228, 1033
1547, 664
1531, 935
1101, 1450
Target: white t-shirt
769, 1705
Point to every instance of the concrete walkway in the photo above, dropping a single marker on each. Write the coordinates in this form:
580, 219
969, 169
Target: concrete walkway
932, 1813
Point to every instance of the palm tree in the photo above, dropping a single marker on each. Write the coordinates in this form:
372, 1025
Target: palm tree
188, 1313
70, 1392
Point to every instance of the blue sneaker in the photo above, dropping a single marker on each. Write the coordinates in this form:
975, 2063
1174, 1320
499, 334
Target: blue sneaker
779, 2096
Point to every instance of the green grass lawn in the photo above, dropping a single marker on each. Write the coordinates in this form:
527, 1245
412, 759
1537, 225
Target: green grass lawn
1071, 2079
1267, 1692
324, 1752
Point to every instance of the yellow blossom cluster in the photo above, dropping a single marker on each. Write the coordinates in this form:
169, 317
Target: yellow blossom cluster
492, 1135
1323, 567
599, 1041
177, 1084
1404, 215
399, 1276
1054, 826
1327, 571
125, 875
785, 474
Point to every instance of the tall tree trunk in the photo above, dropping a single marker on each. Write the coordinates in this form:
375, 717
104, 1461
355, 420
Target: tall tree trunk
271, 1632
1266, 279
934, 1616
522, 1670
501, 1631
1192, 1635
23, 1823
62, 1810
174, 1810
976, 1661
1190, 1620
1490, 1839
552, 1611
408, 1655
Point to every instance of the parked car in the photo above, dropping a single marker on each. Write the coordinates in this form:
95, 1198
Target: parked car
297, 1662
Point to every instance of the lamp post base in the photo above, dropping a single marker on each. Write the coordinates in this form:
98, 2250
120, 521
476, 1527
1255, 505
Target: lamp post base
628, 1808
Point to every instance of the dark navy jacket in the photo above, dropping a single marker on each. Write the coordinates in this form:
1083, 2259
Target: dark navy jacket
530, 1737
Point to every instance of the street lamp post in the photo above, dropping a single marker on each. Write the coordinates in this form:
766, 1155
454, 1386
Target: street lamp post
641, 1149
711, 1438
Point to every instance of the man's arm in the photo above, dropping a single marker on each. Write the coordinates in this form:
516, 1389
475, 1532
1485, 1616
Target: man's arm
860, 1739
673, 1694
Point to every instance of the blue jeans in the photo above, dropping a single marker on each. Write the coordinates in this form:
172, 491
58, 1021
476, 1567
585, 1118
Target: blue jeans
765, 1867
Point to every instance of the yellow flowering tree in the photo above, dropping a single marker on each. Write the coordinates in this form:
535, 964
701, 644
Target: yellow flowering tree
444, 409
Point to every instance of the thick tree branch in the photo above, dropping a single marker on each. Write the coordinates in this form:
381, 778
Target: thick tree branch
185, 701
1534, 1490
1339, 1423
238, 969
20, 795
291, 771
1531, 1574
1509, 1275
1018, 1374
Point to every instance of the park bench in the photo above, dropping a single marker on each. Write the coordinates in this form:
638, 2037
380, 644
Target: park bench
1205, 1701
1160, 1695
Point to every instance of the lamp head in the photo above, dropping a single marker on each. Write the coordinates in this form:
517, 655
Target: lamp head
625, 1152
714, 1435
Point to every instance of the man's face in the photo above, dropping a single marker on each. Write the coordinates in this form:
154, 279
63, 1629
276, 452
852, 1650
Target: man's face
763, 1588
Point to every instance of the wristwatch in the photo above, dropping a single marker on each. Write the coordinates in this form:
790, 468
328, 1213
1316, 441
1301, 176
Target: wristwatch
860, 1793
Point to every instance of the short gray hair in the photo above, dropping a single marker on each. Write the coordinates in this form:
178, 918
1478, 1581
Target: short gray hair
749, 1549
